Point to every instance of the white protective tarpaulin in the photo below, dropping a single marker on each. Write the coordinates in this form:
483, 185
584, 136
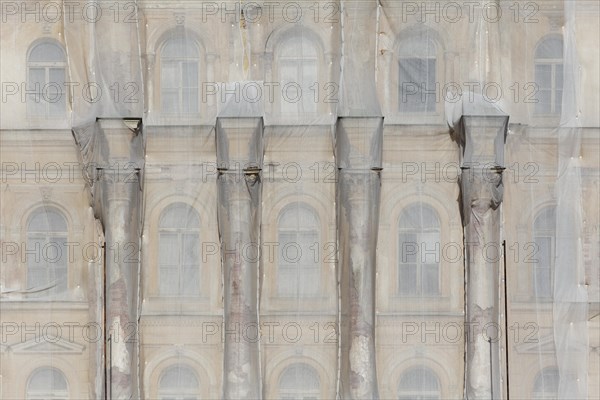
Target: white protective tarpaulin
300, 200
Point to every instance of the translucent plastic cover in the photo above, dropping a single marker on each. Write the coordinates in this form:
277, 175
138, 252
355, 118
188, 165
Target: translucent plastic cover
339, 199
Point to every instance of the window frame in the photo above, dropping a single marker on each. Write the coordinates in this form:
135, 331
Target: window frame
549, 234
45, 237
301, 392
419, 264
179, 61
553, 63
181, 233
177, 394
41, 395
412, 393
535, 394
419, 39
314, 269
299, 63
46, 66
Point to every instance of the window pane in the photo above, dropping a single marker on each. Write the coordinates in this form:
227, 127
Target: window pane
47, 220
168, 249
189, 72
430, 279
300, 378
296, 217
57, 108
37, 79
170, 75
179, 48
169, 280
177, 378
190, 100
48, 52
550, 48
419, 379
558, 102
298, 71
544, 104
57, 78
309, 281
558, 75
170, 101
546, 219
37, 277
409, 248
287, 281
291, 250
417, 84
546, 384
191, 249
179, 215
190, 282
47, 380
407, 280
544, 252
36, 105
543, 76
430, 97
430, 247
543, 281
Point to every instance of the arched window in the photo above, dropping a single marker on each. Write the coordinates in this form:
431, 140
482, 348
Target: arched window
419, 384
179, 251
419, 252
46, 66
549, 75
178, 382
546, 385
417, 74
179, 65
544, 236
299, 382
299, 267
298, 75
47, 384
47, 261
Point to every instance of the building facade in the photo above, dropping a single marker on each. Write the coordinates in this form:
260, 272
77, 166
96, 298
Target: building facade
140, 211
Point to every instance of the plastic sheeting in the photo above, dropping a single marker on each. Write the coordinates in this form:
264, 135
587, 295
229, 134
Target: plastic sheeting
347, 199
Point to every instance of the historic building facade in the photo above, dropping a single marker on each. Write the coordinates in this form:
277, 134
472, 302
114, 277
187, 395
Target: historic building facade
67, 176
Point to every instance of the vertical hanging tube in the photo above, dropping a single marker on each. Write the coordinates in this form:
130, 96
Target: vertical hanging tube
358, 156
116, 148
239, 155
122, 234
480, 200
482, 140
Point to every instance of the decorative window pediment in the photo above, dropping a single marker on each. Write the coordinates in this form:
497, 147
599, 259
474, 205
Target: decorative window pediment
52, 346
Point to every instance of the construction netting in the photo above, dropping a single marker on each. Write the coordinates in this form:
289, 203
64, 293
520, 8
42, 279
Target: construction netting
300, 200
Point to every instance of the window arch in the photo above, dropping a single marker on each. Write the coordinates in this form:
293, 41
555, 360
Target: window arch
298, 64
417, 62
179, 251
47, 383
47, 236
46, 76
419, 251
298, 238
549, 75
179, 76
299, 381
178, 382
419, 383
544, 237
546, 384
